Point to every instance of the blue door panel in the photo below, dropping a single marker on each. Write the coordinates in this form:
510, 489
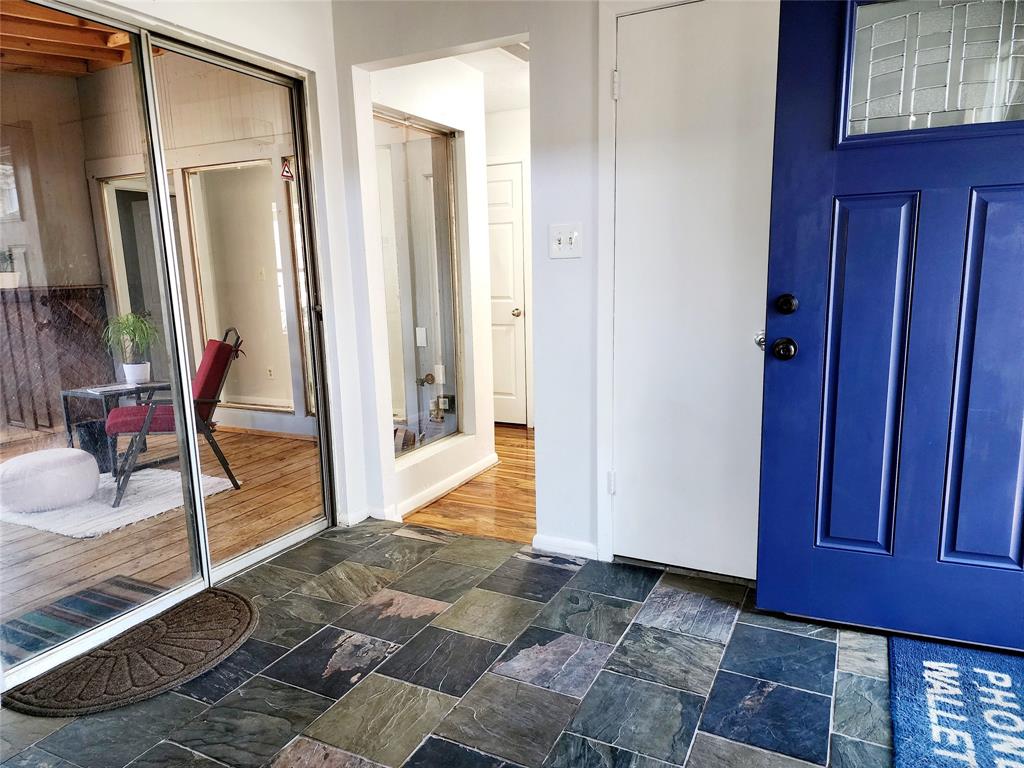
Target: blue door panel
983, 516
869, 301
892, 443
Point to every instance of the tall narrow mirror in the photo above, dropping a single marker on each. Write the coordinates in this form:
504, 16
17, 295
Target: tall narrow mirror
414, 173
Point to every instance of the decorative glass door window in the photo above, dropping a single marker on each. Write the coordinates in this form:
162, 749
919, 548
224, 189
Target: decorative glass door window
934, 63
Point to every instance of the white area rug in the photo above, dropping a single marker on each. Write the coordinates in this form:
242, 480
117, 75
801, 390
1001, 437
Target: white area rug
150, 492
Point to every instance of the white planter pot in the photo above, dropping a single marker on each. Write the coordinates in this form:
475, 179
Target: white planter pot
137, 373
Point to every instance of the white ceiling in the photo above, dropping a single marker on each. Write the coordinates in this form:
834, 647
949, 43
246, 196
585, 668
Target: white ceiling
506, 78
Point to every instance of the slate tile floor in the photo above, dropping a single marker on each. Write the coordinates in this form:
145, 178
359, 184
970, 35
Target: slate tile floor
388, 645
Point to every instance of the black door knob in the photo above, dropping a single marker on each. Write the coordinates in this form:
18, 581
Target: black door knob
787, 304
784, 348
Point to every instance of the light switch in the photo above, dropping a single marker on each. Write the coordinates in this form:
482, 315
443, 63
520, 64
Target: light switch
421, 337
565, 241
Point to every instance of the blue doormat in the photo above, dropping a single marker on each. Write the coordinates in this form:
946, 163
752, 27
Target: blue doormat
955, 707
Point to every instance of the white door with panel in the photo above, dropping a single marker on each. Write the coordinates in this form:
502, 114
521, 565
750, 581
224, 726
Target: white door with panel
508, 290
694, 128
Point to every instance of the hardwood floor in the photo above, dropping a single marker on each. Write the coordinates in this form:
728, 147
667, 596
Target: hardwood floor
500, 502
280, 479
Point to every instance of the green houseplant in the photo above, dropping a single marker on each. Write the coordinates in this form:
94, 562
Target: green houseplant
132, 335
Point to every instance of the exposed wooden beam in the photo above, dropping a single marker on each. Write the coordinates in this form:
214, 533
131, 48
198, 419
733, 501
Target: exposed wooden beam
20, 9
10, 43
42, 64
119, 40
38, 30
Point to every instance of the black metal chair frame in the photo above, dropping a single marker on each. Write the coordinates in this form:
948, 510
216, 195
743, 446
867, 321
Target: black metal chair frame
130, 457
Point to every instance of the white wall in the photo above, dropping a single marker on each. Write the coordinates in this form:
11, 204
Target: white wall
508, 141
300, 34
451, 94
563, 86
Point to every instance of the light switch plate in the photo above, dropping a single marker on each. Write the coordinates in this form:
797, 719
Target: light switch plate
421, 336
565, 241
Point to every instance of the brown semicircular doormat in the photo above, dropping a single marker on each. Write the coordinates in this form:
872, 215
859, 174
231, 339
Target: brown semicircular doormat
181, 643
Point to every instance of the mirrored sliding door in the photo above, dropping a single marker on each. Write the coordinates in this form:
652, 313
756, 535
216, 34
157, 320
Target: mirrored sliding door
229, 148
92, 526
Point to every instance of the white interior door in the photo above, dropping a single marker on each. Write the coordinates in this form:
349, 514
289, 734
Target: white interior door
694, 128
508, 290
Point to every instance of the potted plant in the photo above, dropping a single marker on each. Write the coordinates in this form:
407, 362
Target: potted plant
133, 335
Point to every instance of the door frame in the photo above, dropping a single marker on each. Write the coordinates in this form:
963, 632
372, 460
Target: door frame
149, 31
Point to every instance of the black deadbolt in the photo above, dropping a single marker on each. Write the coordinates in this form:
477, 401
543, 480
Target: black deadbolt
784, 348
787, 304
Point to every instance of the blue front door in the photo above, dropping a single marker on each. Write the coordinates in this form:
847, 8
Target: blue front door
892, 486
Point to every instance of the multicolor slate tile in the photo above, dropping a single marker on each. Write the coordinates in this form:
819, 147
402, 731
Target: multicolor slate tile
489, 615
509, 719
699, 607
331, 662
529, 580
18, 731
572, 751
629, 582
382, 719
445, 661
168, 755
440, 580
593, 616
33, 757
396, 553
681, 661
392, 615
307, 753
480, 553
348, 583
639, 716
291, 619
557, 661
863, 654
252, 657
247, 728
862, 709
438, 753
560, 662
530, 554
770, 716
118, 736
852, 753
316, 556
751, 615
782, 657
713, 752
426, 534
265, 583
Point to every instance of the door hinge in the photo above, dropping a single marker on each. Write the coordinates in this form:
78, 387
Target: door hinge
615, 85
611, 482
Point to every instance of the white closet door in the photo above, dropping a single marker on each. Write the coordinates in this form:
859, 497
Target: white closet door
694, 127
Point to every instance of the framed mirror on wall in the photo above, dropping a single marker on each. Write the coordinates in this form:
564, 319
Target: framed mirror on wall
418, 241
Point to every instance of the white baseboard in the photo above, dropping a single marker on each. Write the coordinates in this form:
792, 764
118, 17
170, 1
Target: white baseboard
574, 547
450, 483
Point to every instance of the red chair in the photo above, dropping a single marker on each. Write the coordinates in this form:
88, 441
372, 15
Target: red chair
155, 418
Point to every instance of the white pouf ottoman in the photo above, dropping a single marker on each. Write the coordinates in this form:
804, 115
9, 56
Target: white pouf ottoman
50, 479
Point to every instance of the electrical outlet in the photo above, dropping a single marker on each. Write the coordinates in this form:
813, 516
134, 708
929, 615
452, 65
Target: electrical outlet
261, 274
270, 373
